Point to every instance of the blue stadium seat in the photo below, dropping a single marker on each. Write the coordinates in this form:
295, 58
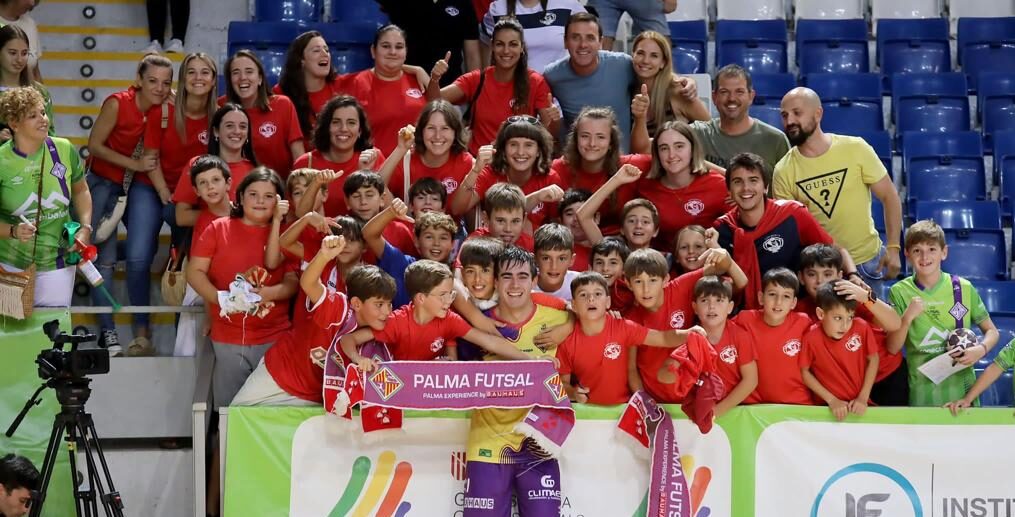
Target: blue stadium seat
959, 153
832, 46
931, 103
912, 46
877, 214
349, 44
690, 41
759, 46
904, 271
1000, 393
985, 44
769, 90
881, 141
288, 10
976, 254
996, 103
998, 296
851, 102
961, 214
358, 11
1004, 170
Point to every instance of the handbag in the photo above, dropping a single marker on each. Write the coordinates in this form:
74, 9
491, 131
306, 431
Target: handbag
17, 288
110, 221
174, 281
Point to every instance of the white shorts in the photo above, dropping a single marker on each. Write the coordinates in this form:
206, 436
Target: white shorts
52, 288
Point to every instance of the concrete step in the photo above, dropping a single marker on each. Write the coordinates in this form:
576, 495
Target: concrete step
87, 64
98, 38
105, 13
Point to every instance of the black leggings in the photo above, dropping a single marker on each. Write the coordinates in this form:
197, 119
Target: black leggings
179, 12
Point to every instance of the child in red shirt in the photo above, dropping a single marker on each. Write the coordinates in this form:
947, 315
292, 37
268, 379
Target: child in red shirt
504, 213
426, 329
364, 194
777, 332
597, 351
839, 358
607, 258
210, 178
661, 303
713, 303
573, 198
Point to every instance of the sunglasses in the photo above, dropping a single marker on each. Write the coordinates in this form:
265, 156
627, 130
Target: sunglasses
529, 119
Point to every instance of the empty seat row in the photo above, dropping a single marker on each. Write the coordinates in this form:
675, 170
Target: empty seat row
838, 9
312, 11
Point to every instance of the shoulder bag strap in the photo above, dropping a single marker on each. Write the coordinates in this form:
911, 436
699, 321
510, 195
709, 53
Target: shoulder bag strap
58, 163
470, 114
405, 175
38, 210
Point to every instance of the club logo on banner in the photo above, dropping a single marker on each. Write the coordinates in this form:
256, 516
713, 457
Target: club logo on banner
386, 383
556, 387
850, 483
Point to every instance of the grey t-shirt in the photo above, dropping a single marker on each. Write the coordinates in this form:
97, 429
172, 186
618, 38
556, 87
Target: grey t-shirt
762, 140
609, 85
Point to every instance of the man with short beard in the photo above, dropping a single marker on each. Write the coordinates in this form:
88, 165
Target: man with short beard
735, 131
834, 176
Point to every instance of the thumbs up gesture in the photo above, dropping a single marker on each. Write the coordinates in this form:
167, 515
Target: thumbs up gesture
281, 208
440, 68
551, 113
640, 103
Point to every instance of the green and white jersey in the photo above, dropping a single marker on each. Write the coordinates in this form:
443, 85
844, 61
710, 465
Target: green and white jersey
19, 184
929, 331
1006, 359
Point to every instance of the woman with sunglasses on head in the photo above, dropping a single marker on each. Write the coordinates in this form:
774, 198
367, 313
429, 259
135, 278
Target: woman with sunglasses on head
116, 144
31, 151
343, 144
521, 155
507, 87
229, 140
274, 125
436, 149
15, 73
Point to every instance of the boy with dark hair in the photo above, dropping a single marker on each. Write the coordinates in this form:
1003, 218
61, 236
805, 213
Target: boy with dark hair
568, 206
713, 304
477, 257
777, 332
210, 177
820, 264
598, 348
554, 250
608, 257
292, 371
426, 328
839, 357
364, 195
435, 233
18, 479
661, 303
933, 303
504, 213
427, 195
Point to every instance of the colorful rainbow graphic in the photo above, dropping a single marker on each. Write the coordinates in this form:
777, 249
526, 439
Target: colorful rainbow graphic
386, 486
699, 485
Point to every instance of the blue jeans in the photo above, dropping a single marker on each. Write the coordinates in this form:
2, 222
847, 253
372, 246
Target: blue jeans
646, 15
143, 218
869, 272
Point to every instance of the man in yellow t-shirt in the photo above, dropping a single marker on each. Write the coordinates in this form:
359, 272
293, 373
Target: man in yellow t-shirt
499, 461
834, 176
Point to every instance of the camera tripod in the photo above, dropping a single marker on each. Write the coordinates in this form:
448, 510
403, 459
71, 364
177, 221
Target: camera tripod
73, 425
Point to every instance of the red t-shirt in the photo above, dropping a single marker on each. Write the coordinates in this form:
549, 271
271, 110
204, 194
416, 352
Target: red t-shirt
609, 212
887, 361
735, 349
676, 312
204, 218
582, 258
175, 154
450, 174
318, 99
524, 241
776, 350
496, 103
185, 192
272, 131
600, 361
126, 134
701, 203
235, 247
296, 360
389, 105
410, 341
839, 364
334, 205
489, 178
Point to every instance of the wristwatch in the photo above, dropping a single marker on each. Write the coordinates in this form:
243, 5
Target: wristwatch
872, 297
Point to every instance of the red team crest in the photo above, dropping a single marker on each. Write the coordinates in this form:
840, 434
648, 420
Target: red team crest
450, 185
677, 320
728, 355
267, 130
853, 343
694, 206
612, 351
203, 137
437, 345
791, 348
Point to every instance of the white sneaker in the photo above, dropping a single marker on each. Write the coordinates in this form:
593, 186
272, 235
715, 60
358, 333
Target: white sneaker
153, 48
175, 46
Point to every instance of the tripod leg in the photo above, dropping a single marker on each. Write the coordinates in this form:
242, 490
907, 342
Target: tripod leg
48, 463
110, 500
84, 498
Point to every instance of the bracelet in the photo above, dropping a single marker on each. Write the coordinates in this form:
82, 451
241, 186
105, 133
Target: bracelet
851, 274
896, 246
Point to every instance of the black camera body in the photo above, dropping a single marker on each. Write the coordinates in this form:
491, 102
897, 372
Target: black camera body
57, 363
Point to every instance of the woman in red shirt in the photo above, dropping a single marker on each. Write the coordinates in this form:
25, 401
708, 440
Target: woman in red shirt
507, 88
343, 143
391, 97
521, 156
277, 137
232, 246
309, 80
592, 156
436, 149
116, 145
230, 141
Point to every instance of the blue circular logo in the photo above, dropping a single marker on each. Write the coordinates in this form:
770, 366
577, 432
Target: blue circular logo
872, 468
